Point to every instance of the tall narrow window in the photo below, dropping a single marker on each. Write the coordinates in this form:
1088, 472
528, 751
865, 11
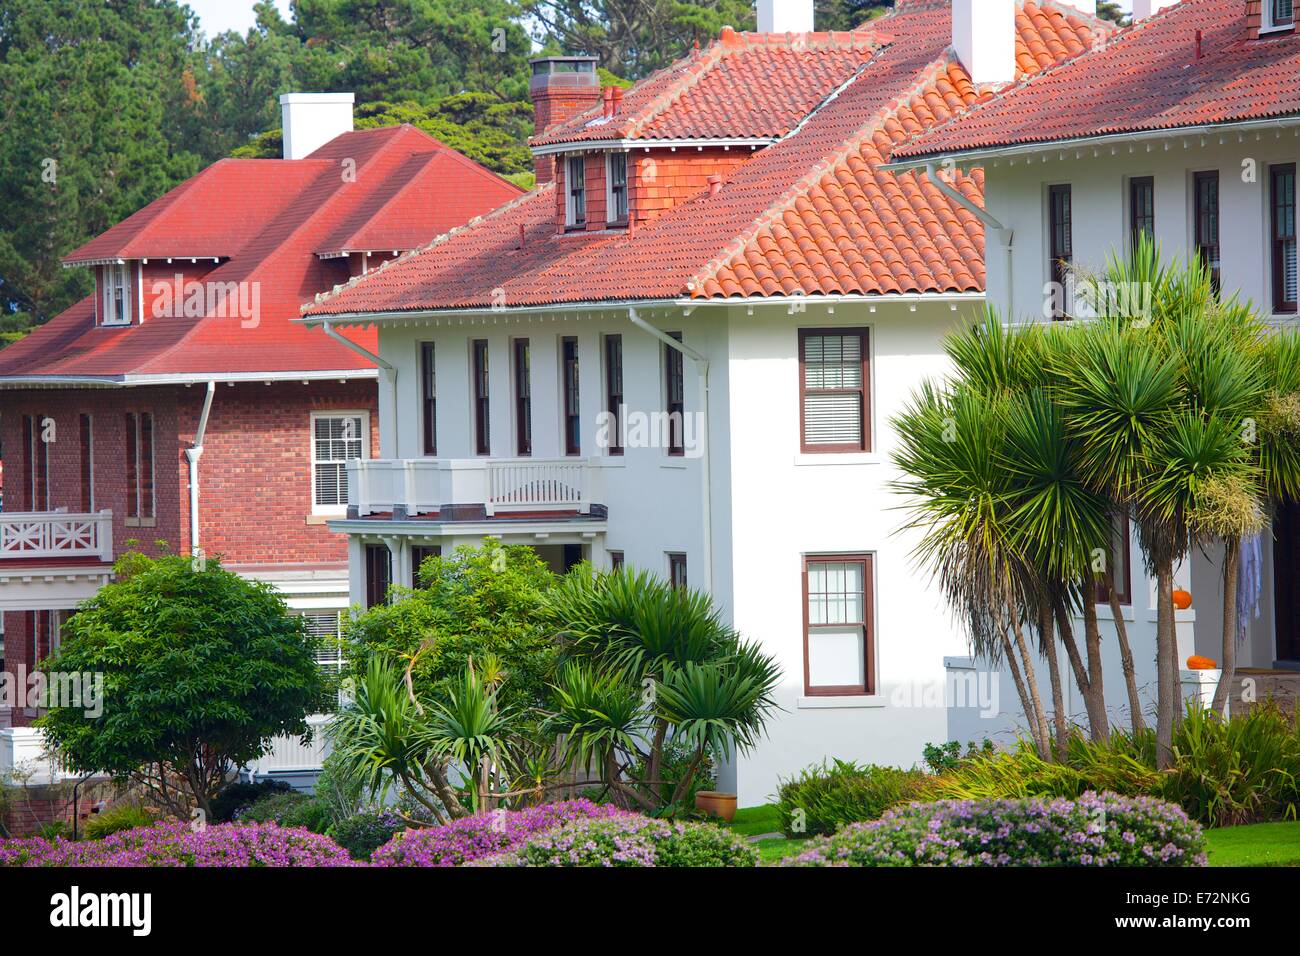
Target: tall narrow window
833, 379
429, 398
576, 191
139, 466
616, 560
335, 440
617, 176
87, 439
1119, 559
1060, 244
482, 429
379, 573
569, 369
1281, 13
1206, 200
116, 307
1282, 201
837, 625
1141, 209
614, 391
419, 554
36, 464
677, 569
325, 627
674, 396
523, 399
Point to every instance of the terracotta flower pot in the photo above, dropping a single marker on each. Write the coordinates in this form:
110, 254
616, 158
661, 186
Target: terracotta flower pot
716, 803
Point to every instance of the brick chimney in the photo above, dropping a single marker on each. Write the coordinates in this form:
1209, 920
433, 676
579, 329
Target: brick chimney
561, 88
984, 39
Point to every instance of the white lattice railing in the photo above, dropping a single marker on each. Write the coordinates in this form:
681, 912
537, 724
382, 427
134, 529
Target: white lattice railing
424, 485
56, 534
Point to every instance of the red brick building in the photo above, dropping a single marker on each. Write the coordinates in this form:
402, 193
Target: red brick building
179, 408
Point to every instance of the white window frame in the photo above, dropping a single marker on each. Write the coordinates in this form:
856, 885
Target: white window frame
609, 188
1267, 25
570, 207
330, 663
319, 509
111, 277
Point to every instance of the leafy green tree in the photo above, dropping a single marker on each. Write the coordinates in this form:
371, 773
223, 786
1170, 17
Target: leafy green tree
848, 14
472, 603
201, 668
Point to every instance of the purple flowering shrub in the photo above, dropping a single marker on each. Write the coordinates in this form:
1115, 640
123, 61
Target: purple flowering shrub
471, 838
631, 840
174, 843
1094, 830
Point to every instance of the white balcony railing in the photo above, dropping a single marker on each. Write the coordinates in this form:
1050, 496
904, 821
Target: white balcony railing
56, 534
290, 755
501, 485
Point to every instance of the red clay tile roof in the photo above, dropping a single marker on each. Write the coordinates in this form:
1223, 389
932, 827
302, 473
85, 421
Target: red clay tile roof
1147, 78
266, 219
813, 213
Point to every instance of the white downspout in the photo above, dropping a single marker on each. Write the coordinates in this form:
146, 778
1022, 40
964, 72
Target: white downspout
390, 377
702, 368
194, 453
1005, 235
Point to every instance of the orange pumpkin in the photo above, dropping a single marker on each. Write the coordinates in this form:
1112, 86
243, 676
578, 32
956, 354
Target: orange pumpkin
1198, 663
1182, 599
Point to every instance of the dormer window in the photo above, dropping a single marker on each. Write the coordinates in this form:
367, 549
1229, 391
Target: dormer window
1278, 15
575, 185
116, 309
616, 176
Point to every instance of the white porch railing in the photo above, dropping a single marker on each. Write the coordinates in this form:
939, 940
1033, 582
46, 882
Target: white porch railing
56, 534
422, 485
289, 755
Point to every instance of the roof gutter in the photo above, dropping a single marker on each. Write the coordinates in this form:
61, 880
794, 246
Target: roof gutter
1005, 236
978, 156
706, 481
128, 381
387, 436
194, 453
726, 142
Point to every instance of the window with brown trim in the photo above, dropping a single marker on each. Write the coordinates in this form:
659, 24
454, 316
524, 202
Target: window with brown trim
569, 383
575, 173
139, 466
419, 554
615, 560
429, 398
523, 399
677, 569
1120, 556
1283, 228
87, 441
36, 463
674, 396
482, 430
833, 387
1141, 209
1281, 14
1205, 199
614, 391
838, 633
1060, 227
379, 574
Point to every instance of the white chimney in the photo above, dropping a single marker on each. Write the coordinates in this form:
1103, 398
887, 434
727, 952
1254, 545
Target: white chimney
1145, 8
785, 16
984, 38
1083, 6
310, 120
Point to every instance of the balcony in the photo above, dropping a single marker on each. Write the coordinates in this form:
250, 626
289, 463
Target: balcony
51, 536
53, 560
502, 486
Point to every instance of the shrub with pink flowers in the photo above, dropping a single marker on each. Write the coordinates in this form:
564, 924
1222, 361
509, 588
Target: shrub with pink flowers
1094, 830
472, 838
174, 843
631, 840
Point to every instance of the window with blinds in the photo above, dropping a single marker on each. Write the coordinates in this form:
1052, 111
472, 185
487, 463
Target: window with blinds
1282, 201
833, 380
335, 439
325, 627
837, 625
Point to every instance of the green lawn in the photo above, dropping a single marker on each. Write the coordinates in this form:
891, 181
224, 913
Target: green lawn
1260, 844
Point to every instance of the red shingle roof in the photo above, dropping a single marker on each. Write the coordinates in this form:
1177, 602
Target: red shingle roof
1147, 78
266, 220
813, 213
